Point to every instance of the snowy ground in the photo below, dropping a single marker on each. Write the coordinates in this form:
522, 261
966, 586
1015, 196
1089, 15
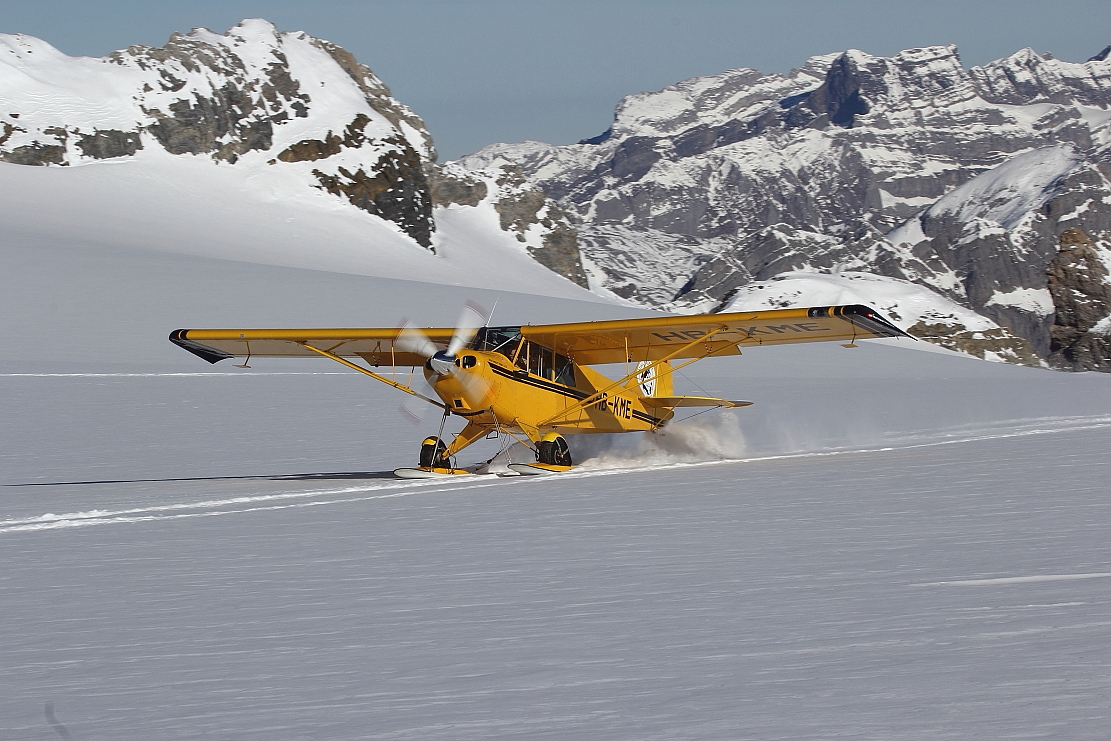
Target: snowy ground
891, 544
222, 556
169, 206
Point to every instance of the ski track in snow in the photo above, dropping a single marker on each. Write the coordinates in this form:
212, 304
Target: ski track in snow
211, 508
1014, 580
395, 489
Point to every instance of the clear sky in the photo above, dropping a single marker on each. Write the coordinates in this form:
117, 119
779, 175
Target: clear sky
482, 71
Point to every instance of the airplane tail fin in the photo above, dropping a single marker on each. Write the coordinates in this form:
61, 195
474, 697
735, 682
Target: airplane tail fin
652, 382
657, 390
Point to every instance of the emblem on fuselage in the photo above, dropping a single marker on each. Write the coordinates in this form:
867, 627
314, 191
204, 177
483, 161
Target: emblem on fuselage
646, 378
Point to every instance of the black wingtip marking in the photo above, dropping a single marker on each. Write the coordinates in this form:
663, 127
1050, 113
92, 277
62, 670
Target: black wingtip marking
204, 352
862, 316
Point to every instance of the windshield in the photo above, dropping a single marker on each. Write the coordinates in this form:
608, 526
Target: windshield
502, 340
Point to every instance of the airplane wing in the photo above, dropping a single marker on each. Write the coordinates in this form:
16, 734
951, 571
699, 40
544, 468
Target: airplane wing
594, 343
589, 343
375, 346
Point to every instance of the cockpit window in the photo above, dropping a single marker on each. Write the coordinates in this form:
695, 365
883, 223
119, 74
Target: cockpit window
502, 340
537, 360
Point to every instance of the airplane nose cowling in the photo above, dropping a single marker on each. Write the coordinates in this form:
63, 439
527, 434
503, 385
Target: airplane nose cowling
441, 363
463, 386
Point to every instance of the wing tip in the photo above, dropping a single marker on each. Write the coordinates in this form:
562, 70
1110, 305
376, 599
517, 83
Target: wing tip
180, 338
861, 315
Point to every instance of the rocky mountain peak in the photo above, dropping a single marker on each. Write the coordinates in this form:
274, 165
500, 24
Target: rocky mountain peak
915, 81
1027, 78
911, 167
256, 97
839, 98
253, 92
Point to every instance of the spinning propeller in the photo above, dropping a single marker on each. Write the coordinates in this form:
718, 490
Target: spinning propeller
411, 339
442, 361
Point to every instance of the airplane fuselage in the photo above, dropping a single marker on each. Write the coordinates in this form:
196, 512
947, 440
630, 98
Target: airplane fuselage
489, 389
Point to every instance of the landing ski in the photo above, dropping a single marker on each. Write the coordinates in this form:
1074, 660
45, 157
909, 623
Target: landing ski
538, 469
430, 473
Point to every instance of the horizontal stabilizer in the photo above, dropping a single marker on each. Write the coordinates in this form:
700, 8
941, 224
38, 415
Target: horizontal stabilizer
673, 402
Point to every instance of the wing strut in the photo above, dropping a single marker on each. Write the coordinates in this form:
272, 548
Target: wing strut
372, 374
583, 403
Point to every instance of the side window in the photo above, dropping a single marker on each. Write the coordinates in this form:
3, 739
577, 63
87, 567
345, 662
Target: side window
564, 371
540, 362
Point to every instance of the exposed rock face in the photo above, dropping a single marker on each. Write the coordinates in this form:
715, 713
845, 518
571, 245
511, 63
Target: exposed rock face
37, 154
257, 97
311, 150
910, 167
999, 342
102, 145
518, 208
541, 228
839, 99
560, 249
521, 207
456, 188
1080, 284
649, 268
395, 189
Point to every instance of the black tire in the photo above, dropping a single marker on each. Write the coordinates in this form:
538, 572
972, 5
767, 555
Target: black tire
432, 453
553, 452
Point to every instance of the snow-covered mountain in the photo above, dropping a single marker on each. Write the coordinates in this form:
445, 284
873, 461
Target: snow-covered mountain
910, 167
990, 187
295, 120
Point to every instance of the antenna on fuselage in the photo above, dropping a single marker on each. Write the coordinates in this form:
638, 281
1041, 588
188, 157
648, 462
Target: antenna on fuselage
490, 316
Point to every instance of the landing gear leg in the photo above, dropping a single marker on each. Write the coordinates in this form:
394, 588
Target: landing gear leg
435, 454
552, 450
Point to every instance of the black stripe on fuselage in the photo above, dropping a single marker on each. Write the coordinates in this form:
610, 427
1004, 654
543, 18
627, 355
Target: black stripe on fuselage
556, 388
539, 383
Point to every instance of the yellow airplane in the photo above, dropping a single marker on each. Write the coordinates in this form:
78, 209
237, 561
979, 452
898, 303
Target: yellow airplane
534, 383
